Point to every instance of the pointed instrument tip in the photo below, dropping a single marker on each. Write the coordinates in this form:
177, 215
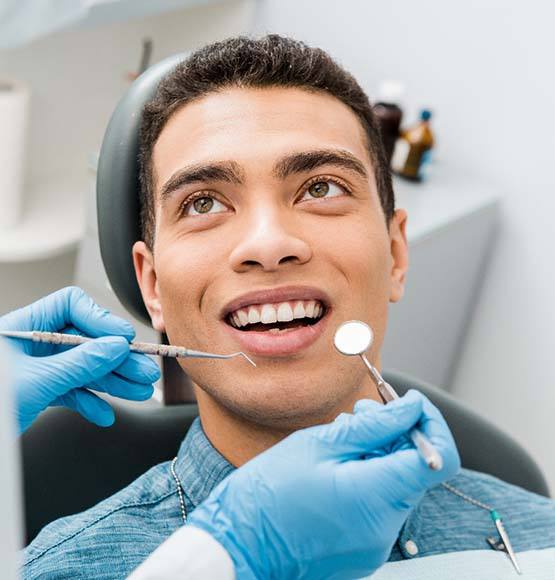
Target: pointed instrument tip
248, 358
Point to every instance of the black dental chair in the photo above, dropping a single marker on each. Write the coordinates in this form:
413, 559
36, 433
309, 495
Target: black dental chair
69, 465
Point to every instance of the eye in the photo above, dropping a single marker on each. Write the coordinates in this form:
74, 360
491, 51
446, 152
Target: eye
323, 188
202, 204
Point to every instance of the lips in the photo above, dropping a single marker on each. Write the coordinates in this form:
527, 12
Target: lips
286, 341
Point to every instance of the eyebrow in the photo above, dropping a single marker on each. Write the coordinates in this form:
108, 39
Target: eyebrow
309, 160
228, 171
231, 172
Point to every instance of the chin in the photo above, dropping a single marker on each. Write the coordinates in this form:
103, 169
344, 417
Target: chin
275, 408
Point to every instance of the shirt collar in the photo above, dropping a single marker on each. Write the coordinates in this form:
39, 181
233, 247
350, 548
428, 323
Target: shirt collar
199, 466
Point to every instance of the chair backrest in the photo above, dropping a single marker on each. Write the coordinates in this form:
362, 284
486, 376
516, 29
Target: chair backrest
70, 465
117, 187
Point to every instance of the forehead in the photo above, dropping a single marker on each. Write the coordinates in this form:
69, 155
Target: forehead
254, 127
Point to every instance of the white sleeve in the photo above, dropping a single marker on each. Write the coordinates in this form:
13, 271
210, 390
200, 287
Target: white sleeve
188, 554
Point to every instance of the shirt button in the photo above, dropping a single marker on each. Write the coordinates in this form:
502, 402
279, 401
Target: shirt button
411, 548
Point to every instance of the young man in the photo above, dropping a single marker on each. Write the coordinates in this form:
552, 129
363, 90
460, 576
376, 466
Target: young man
268, 219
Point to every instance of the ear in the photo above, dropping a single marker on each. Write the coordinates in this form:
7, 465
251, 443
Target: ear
399, 254
143, 260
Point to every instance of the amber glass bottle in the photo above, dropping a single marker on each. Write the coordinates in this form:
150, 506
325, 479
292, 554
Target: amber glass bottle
389, 114
413, 149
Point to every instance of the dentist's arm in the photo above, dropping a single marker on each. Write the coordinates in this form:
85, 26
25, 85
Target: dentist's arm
326, 502
45, 374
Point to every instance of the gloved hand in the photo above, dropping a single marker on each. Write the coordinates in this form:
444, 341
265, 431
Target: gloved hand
329, 501
46, 374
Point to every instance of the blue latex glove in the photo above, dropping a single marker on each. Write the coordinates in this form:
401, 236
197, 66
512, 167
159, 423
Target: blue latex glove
329, 501
51, 375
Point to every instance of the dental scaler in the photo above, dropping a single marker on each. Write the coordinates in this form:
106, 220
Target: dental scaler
143, 347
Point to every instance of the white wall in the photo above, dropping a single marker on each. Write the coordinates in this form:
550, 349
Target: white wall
486, 69
76, 77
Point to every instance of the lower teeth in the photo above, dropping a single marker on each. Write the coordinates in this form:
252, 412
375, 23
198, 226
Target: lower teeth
276, 330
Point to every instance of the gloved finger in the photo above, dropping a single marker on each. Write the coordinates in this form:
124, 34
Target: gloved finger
404, 473
123, 389
403, 442
363, 405
368, 404
417, 475
82, 312
71, 306
89, 405
84, 364
342, 417
139, 368
136, 367
362, 433
433, 425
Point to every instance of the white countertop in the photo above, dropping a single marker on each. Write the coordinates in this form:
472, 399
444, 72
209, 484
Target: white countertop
446, 197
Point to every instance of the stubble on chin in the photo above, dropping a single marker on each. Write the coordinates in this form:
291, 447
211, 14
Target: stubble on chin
282, 412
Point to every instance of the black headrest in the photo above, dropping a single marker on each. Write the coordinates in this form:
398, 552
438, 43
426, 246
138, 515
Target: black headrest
117, 187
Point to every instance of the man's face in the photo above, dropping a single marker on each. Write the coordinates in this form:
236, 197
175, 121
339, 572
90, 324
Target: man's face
273, 191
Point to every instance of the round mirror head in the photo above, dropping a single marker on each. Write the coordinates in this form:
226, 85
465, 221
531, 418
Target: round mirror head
353, 337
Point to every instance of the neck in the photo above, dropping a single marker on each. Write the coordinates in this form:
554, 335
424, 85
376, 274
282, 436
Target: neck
239, 439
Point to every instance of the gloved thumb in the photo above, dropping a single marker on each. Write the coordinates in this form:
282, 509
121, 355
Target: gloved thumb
370, 429
87, 362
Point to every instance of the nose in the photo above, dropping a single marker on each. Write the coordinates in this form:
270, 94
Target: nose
270, 238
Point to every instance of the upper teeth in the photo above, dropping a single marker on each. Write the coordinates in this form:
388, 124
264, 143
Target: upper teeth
280, 312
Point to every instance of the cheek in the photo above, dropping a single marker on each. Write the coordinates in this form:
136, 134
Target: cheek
184, 272
363, 257
361, 251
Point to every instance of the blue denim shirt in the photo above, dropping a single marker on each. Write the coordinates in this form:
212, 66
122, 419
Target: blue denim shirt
114, 537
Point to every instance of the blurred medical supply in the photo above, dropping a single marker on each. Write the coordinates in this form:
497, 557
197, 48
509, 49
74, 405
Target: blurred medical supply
14, 104
389, 114
144, 62
413, 149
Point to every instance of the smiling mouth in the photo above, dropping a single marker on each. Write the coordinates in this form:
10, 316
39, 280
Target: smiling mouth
277, 318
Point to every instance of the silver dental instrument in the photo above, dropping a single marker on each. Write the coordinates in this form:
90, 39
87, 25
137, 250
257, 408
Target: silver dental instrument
355, 337
144, 347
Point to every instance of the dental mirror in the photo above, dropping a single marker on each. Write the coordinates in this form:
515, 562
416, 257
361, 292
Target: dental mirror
353, 337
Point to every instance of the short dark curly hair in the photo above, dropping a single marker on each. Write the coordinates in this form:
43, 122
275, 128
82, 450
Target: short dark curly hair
270, 61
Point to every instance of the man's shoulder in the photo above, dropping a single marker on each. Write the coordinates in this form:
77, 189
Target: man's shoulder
447, 522
111, 538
